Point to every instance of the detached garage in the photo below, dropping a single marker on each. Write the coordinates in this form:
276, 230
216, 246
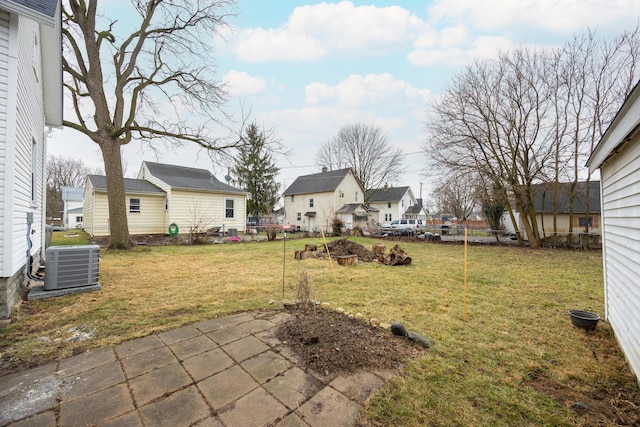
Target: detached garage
618, 158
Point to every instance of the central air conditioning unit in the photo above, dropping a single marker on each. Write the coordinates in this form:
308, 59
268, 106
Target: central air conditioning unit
71, 267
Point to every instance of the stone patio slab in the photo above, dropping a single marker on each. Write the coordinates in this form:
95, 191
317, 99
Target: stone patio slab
180, 334
245, 348
206, 364
193, 346
142, 363
158, 382
97, 407
254, 409
97, 379
226, 386
182, 408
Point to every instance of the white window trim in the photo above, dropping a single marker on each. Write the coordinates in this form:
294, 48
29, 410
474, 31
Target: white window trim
225, 208
139, 204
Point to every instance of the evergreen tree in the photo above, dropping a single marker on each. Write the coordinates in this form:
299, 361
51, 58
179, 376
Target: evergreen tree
255, 171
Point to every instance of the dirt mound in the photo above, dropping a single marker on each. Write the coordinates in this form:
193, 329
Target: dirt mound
329, 342
343, 247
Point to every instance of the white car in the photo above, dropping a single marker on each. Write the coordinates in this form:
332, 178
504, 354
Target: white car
406, 226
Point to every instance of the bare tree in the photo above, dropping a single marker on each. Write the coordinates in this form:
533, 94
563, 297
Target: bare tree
365, 149
62, 172
530, 117
155, 84
457, 194
493, 120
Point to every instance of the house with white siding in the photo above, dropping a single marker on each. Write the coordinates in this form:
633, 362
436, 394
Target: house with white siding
30, 101
617, 156
72, 202
311, 202
392, 202
167, 195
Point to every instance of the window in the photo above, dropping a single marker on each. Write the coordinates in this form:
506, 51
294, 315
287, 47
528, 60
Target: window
387, 217
78, 218
403, 203
134, 205
292, 197
583, 220
166, 203
299, 216
356, 196
34, 170
341, 195
310, 203
389, 205
229, 211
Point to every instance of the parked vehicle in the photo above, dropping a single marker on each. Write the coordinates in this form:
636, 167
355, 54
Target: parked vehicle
406, 226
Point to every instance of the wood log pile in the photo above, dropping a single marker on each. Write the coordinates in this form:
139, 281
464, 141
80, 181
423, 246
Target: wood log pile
350, 253
397, 256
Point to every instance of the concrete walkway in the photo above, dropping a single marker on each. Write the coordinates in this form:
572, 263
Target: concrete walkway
228, 372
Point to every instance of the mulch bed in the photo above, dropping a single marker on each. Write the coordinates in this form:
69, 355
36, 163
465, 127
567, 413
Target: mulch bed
330, 342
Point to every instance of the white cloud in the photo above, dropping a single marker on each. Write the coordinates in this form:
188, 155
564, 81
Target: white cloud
560, 16
363, 91
314, 31
450, 54
239, 83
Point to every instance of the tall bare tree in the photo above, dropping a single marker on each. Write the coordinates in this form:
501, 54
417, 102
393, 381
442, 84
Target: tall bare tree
154, 84
531, 116
365, 149
457, 194
62, 172
493, 121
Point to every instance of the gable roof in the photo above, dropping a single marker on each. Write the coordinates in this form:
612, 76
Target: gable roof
624, 125
317, 182
139, 186
72, 194
48, 15
544, 193
389, 194
189, 178
41, 11
414, 209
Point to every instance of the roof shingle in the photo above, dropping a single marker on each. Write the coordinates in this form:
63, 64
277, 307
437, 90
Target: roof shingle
317, 182
191, 178
131, 185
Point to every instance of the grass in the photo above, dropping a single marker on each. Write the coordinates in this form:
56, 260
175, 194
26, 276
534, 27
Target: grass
487, 370
70, 237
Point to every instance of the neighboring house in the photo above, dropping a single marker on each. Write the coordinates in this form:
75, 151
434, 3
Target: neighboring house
417, 211
146, 212
312, 201
355, 215
72, 201
164, 195
74, 217
617, 155
543, 204
392, 202
30, 100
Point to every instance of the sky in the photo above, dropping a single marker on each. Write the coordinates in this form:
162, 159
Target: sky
305, 69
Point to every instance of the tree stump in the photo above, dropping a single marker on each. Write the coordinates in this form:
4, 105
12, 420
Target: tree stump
300, 254
347, 259
310, 248
378, 249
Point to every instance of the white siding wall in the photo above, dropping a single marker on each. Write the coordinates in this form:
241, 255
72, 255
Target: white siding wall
324, 204
4, 94
621, 248
29, 129
198, 208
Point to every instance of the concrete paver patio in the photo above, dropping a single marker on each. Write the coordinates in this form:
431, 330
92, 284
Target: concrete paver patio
224, 372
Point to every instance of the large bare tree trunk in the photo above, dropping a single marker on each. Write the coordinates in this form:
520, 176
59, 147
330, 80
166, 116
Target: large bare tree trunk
118, 226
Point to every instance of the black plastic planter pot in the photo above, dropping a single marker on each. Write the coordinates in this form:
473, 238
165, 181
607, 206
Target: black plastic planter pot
584, 319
